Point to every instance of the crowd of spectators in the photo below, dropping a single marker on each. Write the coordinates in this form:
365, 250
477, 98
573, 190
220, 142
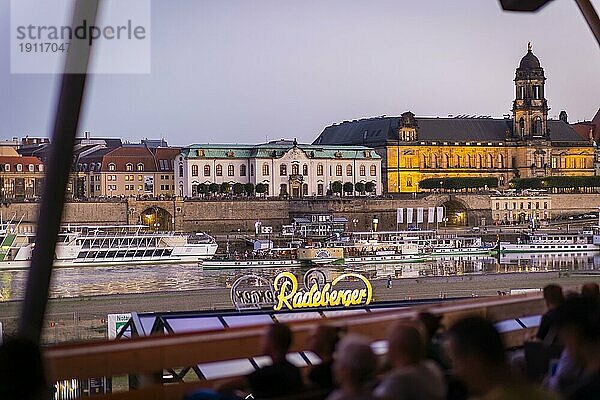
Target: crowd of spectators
425, 361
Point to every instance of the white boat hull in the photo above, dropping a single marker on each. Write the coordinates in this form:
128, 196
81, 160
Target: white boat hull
184, 260
243, 264
387, 259
462, 251
547, 248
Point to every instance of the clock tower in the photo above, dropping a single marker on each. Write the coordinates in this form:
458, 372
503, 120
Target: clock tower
530, 108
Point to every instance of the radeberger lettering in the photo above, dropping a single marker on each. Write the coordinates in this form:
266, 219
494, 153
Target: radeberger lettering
288, 295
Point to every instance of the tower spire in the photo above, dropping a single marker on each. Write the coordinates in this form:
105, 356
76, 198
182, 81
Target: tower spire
528, 46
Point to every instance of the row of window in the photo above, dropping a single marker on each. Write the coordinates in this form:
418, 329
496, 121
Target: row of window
19, 168
534, 92
111, 167
283, 170
456, 161
519, 217
129, 178
523, 205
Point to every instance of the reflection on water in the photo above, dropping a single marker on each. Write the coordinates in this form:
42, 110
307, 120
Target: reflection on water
74, 282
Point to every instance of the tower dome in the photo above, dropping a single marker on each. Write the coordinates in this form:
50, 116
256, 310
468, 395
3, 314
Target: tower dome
529, 61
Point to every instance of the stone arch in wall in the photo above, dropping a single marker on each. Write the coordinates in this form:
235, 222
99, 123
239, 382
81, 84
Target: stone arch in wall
157, 218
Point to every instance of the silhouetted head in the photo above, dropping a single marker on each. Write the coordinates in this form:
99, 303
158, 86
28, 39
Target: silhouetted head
476, 352
431, 323
591, 290
22, 374
553, 294
277, 340
578, 321
355, 363
323, 340
405, 345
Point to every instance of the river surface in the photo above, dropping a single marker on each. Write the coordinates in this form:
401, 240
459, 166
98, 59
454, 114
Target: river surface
94, 281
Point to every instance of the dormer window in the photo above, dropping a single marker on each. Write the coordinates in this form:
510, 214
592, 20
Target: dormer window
140, 167
40, 167
112, 166
31, 168
19, 167
6, 167
128, 167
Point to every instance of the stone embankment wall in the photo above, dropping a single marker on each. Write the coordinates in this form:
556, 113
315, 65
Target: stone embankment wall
229, 216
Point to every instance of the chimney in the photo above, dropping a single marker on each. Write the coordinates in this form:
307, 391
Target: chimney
563, 117
86, 135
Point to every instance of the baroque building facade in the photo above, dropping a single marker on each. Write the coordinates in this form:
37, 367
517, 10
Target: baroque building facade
285, 167
528, 144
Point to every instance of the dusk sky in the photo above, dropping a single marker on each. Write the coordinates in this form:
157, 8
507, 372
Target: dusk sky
244, 71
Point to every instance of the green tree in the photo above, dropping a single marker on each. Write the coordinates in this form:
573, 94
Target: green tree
214, 188
249, 188
224, 188
348, 188
238, 188
260, 188
370, 187
360, 187
336, 187
203, 189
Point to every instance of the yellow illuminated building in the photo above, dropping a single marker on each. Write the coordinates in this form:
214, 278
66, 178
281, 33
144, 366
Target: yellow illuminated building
528, 144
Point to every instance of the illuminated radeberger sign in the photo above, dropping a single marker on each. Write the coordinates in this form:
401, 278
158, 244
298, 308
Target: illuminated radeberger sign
255, 292
287, 293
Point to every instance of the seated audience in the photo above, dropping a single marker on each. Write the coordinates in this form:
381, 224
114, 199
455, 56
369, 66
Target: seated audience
591, 290
553, 295
433, 347
354, 368
477, 358
578, 321
278, 379
564, 375
322, 341
568, 372
412, 378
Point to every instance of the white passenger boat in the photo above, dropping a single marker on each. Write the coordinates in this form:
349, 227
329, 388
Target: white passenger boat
390, 247
110, 245
452, 245
549, 242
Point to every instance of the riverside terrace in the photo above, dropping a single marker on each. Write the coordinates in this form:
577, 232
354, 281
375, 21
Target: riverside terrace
230, 338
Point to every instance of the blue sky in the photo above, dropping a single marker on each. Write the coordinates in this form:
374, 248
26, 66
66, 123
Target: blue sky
244, 71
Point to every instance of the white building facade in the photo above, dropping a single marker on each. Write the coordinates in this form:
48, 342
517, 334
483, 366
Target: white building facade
521, 208
284, 167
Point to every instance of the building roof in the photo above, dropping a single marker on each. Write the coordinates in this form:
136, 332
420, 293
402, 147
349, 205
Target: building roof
382, 130
584, 128
153, 160
275, 150
24, 161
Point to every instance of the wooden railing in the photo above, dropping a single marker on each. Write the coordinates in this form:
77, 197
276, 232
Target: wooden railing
151, 354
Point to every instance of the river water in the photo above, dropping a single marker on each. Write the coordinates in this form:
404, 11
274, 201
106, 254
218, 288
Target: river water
94, 281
